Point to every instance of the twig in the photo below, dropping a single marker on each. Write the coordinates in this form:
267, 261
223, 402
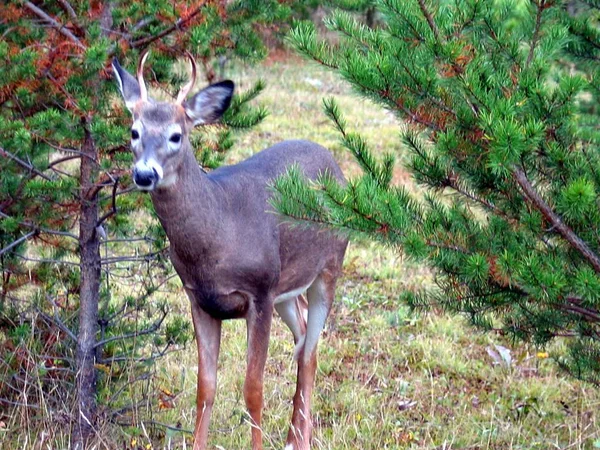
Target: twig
176, 26
129, 358
151, 329
27, 405
59, 27
430, 21
70, 11
113, 209
536, 33
56, 320
563, 229
40, 229
142, 377
18, 241
24, 164
170, 427
62, 160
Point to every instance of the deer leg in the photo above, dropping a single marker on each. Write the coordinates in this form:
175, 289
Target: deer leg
320, 297
259, 329
293, 312
208, 338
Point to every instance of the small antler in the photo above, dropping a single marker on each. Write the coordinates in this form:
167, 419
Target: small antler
140, 76
185, 90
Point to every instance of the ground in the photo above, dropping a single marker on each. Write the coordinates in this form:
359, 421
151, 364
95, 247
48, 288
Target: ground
388, 378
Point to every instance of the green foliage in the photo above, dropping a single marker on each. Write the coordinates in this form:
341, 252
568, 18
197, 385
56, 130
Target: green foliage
503, 139
64, 159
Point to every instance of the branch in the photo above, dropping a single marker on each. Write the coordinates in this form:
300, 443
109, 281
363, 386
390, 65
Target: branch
536, 33
129, 359
18, 241
564, 230
40, 229
151, 329
430, 21
24, 164
113, 209
59, 27
70, 11
176, 26
169, 427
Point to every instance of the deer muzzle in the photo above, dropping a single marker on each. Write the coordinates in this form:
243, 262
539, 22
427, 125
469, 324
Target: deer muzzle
147, 174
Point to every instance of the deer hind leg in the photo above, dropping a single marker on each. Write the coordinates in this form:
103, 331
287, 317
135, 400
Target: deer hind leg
259, 328
208, 338
320, 297
294, 313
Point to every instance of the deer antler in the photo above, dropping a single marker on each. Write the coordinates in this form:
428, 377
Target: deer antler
140, 76
185, 90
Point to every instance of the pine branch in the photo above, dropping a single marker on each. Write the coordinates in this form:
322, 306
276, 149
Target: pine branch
429, 18
565, 231
536, 33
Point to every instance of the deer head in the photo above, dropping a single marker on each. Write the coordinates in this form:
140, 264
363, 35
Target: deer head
160, 130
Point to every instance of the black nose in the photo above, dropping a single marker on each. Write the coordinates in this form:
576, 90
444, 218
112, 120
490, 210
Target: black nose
145, 178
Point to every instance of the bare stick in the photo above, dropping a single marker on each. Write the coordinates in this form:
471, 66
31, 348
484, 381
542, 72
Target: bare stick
24, 164
59, 27
18, 241
151, 329
41, 230
70, 11
113, 209
565, 231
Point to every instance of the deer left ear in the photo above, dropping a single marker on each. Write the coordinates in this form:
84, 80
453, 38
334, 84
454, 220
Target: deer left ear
208, 105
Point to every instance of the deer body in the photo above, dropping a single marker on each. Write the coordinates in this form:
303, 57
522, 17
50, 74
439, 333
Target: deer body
236, 257
228, 247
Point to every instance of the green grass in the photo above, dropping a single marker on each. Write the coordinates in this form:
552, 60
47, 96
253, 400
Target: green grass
387, 378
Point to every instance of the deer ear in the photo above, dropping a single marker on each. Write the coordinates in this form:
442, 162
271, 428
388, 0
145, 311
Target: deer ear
208, 105
128, 85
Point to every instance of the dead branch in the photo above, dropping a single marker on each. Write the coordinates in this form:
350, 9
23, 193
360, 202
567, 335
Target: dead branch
563, 229
56, 25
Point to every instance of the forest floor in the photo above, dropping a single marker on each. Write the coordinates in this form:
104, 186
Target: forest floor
387, 378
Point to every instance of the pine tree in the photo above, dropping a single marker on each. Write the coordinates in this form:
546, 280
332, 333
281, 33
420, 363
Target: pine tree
500, 104
76, 265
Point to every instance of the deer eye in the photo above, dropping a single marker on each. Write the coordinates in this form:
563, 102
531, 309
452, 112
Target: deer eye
135, 135
175, 138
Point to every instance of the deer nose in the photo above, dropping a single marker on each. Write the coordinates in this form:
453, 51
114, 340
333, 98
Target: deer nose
145, 178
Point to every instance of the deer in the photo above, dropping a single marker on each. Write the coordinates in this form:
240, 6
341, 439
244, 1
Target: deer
236, 258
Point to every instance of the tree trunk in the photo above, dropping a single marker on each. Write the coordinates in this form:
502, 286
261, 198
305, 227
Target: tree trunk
89, 248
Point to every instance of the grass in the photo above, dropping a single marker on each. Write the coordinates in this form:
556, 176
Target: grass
387, 378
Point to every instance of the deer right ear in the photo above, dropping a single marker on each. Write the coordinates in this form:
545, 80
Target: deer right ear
208, 105
128, 85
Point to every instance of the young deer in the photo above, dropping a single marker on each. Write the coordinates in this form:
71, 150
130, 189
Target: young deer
235, 257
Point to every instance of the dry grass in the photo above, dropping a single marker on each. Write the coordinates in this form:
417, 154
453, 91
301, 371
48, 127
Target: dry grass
387, 378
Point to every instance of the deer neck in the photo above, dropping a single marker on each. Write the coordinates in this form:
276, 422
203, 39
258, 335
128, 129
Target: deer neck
189, 206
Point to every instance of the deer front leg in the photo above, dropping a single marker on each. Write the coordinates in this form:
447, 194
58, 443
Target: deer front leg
259, 329
208, 339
